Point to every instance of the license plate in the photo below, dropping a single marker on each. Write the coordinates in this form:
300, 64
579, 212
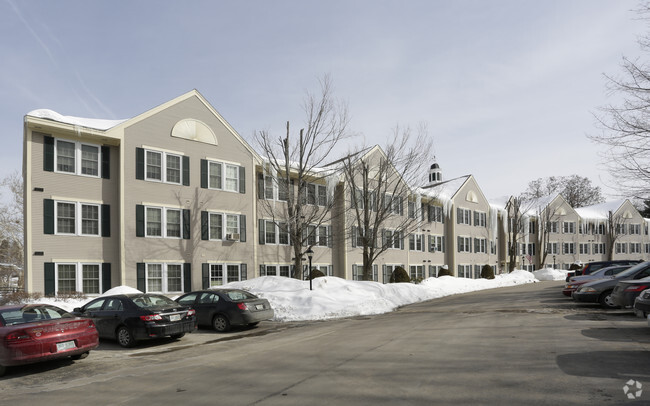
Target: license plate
259, 307
174, 317
66, 345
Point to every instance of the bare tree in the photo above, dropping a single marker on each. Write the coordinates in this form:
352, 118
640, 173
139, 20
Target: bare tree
615, 224
626, 126
293, 167
576, 190
11, 219
379, 187
516, 228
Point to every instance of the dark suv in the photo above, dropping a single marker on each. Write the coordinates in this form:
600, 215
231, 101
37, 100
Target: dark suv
594, 266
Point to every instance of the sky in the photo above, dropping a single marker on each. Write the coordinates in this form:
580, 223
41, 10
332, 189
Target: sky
508, 89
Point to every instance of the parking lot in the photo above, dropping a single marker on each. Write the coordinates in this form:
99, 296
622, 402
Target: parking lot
526, 344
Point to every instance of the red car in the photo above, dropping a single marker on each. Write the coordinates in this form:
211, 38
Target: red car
39, 332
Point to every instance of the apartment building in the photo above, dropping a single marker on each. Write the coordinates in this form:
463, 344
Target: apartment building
174, 200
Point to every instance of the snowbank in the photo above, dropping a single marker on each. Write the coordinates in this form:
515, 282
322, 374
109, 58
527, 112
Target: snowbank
549, 274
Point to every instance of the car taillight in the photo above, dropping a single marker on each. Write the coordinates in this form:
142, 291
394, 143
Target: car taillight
191, 312
636, 288
15, 336
242, 306
151, 317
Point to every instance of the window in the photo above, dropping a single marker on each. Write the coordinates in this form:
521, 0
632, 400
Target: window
480, 219
154, 165
552, 226
416, 242
568, 248
224, 176
464, 216
65, 156
271, 231
232, 178
583, 248
393, 204
78, 277
551, 248
436, 214
568, 227
393, 239
164, 278
635, 229
173, 223
77, 158
480, 245
164, 167
214, 176
464, 244
635, 248
222, 225
89, 160
88, 222
173, 169
417, 272
275, 270
598, 248
621, 248
154, 221
531, 227
437, 243
221, 274
164, 222
464, 271
216, 226
232, 224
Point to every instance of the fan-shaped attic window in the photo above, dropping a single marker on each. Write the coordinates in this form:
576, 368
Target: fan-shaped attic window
194, 130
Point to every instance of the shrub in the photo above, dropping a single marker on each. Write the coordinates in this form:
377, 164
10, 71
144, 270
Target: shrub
18, 297
487, 272
444, 272
400, 275
315, 273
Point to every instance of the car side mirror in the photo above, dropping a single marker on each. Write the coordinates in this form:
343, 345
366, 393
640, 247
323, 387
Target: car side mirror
76, 310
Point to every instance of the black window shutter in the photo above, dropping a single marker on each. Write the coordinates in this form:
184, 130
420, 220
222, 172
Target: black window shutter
354, 236
141, 275
329, 236
186, 170
205, 275
242, 228
106, 220
139, 220
49, 279
186, 224
48, 153
205, 226
187, 277
204, 174
260, 186
106, 276
106, 162
48, 216
262, 231
139, 163
401, 239
244, 273
242, 179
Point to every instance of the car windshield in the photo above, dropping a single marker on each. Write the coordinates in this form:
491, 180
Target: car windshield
239, 295
146, 301
633, 270
30, 314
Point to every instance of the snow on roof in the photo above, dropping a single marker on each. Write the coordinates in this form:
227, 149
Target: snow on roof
599, 211
445, 190
95, 123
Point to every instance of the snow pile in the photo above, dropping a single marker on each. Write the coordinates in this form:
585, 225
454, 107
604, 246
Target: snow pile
96, 123
549, 274
333, 297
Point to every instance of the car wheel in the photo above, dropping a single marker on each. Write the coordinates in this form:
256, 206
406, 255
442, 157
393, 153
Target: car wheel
80, 356
253, 324
605, 300
221, 323
177, 336
3, 370
124, 337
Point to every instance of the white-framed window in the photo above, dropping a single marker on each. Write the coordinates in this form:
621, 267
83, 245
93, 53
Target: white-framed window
552, 227
621, 229
635, 247
551, 248
436, 214
464, 216
437, 243
464, 244
393, 239
164, 277
480, 219
77, 218
480, 245
317, 235
647, 248
161, 166
222, 224
223, 176
598, 248
78, 277
316, 194
583, 248
416, 242
163, 222
77, 158
621, 248
568, 248
635, 229
417, 272
569, 227
465, 271
220, 274
275, 270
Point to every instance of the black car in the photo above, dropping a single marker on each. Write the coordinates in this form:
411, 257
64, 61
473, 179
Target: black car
138, 316
223, 308
591, 267
642, 304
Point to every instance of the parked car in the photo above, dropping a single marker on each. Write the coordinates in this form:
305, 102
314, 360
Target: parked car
592, 267
642, 304
39, 332
223, 308
626, 291
576, 281
600, 290
132, 317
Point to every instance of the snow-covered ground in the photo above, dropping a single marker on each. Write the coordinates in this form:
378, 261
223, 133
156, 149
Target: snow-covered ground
333, 297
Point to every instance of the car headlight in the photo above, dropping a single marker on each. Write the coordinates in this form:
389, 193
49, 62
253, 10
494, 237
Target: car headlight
645, 294
569, 286
587, 290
